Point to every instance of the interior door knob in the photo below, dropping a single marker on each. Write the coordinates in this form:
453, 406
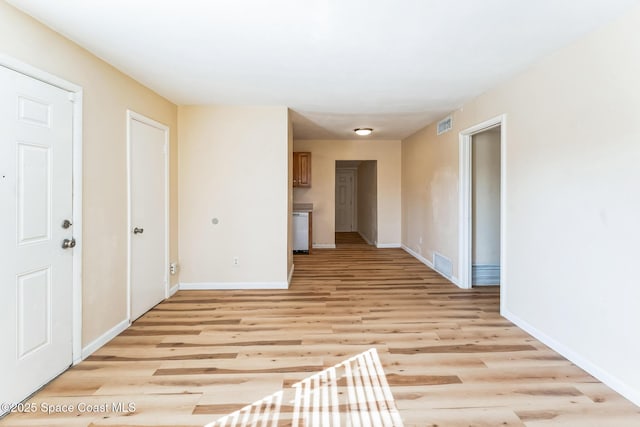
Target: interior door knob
68, 243
137, 230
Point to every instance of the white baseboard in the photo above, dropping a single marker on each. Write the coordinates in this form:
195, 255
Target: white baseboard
293, 267
219, 286
388, 245
104, 338
174, 289
324, 246
429, 264
417, 256
601, 374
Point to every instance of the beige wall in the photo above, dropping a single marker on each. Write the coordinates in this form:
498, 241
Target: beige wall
572, 208
485, 192
234, 166
367, 206
322, 192
108, 93
430, 194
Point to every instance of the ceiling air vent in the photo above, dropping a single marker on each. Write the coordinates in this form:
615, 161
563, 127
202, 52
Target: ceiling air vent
445, 125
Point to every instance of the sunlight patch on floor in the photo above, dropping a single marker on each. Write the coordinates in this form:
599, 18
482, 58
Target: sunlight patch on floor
352, 393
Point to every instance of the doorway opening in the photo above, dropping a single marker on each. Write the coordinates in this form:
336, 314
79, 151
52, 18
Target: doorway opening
485, 208
482, 205
356, 202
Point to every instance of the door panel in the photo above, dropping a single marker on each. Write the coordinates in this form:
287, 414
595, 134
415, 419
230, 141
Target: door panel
34, 200
344, 200
36, 280
34, 311
148, 214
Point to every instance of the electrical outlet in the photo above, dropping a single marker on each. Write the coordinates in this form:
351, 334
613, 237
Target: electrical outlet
173, 268
420, 240
236, 260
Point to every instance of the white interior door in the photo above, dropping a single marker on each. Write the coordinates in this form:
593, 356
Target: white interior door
148, 264
36, 278
344, 200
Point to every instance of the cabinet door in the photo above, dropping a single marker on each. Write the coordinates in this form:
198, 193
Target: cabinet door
296, 168
304, 169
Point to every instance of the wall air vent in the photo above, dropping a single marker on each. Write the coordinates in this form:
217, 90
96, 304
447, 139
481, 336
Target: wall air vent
442, 265
445, 125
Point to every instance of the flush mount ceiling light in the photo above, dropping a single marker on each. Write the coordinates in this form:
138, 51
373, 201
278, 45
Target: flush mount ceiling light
363, 131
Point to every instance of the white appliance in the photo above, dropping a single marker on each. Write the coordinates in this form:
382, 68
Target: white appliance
301, 232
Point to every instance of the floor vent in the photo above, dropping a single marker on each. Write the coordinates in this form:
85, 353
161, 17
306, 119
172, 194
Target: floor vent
445, 125
485, 274
442, 264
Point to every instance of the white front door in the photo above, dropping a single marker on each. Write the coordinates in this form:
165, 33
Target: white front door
36, 278
148, 263
345, 187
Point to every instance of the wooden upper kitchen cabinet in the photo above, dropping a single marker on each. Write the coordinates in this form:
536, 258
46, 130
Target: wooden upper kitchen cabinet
302, 169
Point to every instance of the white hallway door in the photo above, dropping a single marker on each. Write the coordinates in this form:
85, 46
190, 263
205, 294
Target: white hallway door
36, 278
148, 141
345, 182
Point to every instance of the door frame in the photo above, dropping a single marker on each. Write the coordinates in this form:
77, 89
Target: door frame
132, 115
75, 96
465, 204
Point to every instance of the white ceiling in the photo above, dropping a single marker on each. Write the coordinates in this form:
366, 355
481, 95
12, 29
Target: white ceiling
393, 65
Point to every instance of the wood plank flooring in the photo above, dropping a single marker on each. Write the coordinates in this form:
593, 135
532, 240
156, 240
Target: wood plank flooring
450, 359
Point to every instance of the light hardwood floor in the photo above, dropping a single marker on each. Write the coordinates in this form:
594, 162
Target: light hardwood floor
449, 357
